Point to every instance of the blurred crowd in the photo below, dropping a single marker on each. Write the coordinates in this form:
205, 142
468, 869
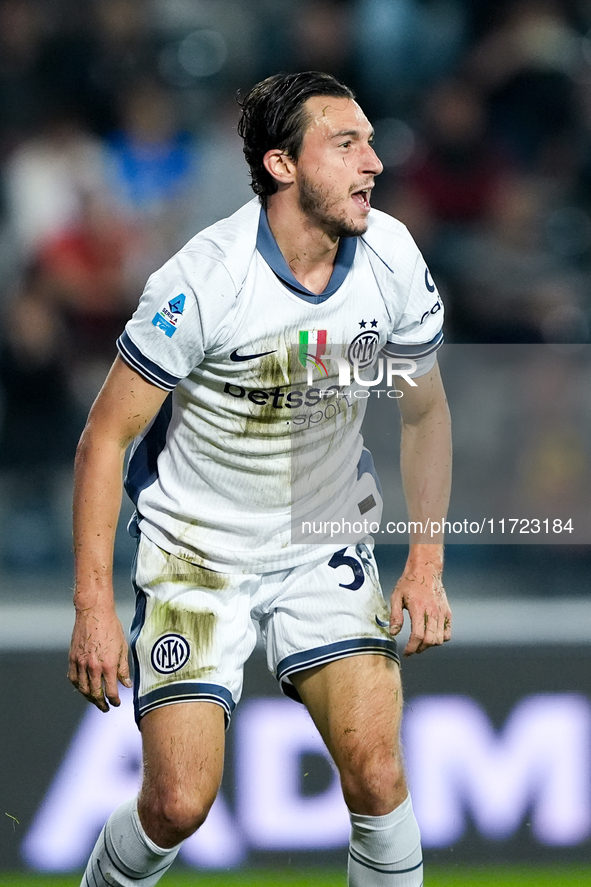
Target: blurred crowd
118, 142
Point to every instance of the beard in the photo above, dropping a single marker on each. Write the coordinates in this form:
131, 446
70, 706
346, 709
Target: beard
318, 204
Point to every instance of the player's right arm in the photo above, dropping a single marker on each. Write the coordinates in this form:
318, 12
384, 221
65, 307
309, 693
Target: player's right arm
98, 651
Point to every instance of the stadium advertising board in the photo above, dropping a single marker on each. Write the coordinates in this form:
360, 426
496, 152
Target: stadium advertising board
498, 749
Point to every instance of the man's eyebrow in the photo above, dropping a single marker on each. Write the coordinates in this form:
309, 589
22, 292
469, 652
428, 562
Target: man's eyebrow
354, 133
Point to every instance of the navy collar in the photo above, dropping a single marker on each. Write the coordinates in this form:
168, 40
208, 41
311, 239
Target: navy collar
267, 246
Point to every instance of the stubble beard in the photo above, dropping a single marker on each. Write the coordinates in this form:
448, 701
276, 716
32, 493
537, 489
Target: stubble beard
316, 203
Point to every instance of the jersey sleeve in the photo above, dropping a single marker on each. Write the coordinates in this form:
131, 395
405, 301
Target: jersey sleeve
417, 333
176, 319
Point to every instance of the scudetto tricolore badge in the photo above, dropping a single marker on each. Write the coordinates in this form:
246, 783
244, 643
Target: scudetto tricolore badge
312, 346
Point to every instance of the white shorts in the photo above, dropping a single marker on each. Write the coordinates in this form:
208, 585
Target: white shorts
194, 628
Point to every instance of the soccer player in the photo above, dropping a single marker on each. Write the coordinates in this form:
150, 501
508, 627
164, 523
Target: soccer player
229, 444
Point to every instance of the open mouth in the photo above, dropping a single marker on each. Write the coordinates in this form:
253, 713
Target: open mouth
361, 198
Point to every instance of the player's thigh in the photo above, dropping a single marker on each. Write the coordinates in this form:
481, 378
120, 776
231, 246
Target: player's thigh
354, 700
183, 759
356, 704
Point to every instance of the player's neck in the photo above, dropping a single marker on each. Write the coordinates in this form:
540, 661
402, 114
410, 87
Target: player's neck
308, 250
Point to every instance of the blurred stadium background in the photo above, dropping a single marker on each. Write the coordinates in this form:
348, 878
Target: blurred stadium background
117, 143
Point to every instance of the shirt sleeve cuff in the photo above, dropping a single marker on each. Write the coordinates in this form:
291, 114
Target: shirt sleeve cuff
413, 352
150, 371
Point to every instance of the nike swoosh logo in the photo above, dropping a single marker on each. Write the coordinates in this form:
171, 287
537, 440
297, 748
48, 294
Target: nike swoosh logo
235, 356
381, 623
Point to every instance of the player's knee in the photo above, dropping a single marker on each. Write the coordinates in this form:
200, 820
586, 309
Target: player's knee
375, 785
172, 816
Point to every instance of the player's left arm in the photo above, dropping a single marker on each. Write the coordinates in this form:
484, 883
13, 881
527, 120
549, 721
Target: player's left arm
426, 476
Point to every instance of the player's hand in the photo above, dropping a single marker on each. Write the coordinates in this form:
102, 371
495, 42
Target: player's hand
98, 657
420, 591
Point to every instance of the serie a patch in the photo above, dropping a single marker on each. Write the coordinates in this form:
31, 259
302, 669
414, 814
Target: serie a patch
168, 317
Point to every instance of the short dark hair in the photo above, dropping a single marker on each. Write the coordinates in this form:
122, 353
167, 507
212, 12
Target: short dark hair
273, 116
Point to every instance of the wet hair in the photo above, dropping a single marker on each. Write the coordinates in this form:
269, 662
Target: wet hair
273, 116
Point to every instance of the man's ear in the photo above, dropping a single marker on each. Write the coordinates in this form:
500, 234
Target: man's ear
280, 165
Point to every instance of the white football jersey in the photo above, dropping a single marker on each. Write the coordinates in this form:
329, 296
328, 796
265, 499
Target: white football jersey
261, 430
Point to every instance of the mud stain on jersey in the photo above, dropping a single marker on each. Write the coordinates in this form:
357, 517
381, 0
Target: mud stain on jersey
196, 626
272, 377
181, 571
267, 424
273, 369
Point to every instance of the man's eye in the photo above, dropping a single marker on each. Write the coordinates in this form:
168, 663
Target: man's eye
345, 144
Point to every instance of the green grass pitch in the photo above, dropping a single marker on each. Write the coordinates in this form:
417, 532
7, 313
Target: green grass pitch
448, 876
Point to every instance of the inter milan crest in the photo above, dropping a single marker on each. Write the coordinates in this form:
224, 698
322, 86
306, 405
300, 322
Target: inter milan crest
364, 346
170, 653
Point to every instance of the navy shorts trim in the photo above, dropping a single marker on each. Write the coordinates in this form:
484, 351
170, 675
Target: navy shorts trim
330, 653
186, 691
136, 626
